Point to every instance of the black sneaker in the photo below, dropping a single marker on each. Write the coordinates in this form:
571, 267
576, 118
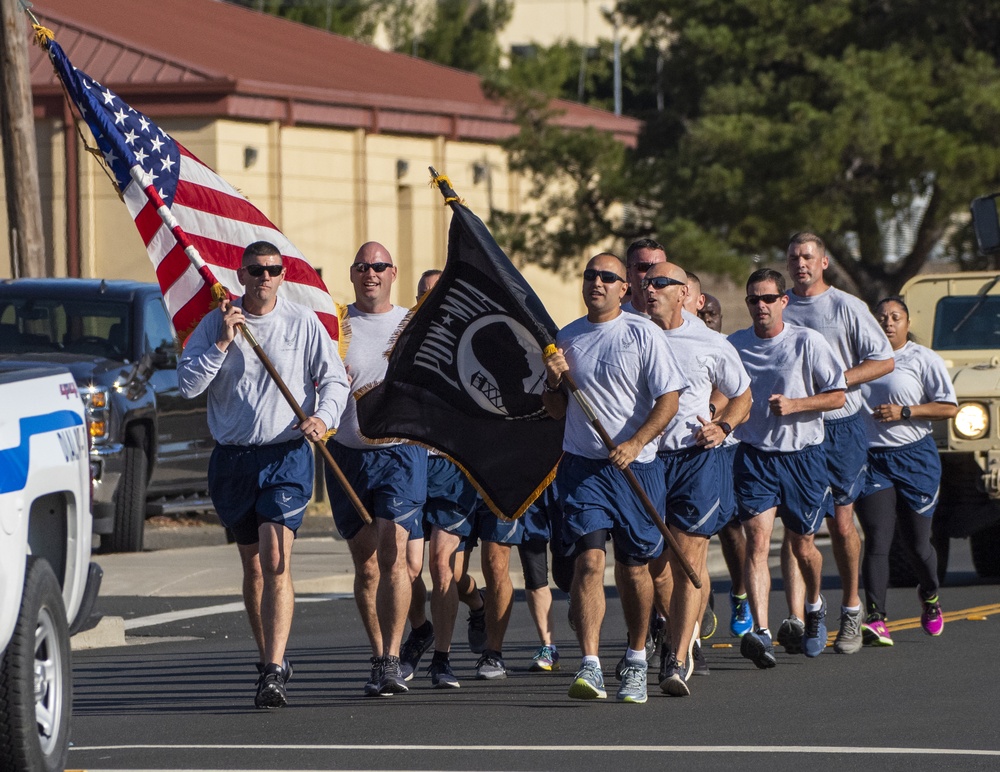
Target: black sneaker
700, 665
442, 676
490, 666
790, 635
709, 622
657, 634
413, 648
757, 647
477, 627
271, 688
286, 670
371, 685
391, 681
674, 680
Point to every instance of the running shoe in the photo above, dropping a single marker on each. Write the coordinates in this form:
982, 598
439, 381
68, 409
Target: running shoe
490, 666
874, 632
674, 680
700, 667
756, 646
814, 640
930, 618
286, 670
740, 618
391, 681
588, 683
371, 685
849, 639
790, 635
413, 648
633, 688
689, 662
657, 634
709, 622
477, 627
271, 688
546, 659
442, 676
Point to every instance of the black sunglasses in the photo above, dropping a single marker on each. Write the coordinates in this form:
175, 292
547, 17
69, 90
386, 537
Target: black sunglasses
659, 282
643, 266
608, 277
377, 267
259, 270
753, 300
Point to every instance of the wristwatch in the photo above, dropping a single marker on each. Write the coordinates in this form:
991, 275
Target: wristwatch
905, 412
726, 428
551, 389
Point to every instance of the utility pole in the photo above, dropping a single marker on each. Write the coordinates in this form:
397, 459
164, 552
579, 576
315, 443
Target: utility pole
20, 154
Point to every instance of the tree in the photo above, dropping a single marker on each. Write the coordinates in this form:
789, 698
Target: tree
460, 33
871, 123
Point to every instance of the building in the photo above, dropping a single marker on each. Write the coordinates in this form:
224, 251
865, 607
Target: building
330, 138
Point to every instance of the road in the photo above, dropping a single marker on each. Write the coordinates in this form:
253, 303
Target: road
183, 698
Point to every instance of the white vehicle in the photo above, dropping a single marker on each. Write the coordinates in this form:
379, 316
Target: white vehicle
47, 583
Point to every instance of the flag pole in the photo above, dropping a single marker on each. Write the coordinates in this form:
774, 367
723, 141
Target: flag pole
451, 198
42, 38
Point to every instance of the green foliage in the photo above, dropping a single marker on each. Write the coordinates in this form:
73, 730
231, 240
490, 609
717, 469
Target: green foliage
458, 33
859, 120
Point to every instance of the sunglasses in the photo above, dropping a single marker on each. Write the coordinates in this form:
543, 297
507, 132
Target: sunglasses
608, 277
659, 282
364, 267
753, 300
643, 266
259, 270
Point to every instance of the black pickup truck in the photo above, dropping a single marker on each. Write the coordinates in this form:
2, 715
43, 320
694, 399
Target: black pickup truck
150, 446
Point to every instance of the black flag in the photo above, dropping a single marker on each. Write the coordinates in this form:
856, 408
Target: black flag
465, 375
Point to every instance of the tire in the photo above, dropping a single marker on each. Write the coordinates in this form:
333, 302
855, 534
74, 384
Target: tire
986, 551
34, 727
130, 499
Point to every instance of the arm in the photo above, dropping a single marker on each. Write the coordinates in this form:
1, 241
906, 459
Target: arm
201, 359
664, 409
869, 370
734, 413
332, 387
555, 402
827, 400
930, 411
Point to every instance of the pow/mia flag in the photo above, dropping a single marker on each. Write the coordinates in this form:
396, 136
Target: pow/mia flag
465, 375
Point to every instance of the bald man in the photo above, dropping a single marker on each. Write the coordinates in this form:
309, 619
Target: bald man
690, 451
390, 477
622, 362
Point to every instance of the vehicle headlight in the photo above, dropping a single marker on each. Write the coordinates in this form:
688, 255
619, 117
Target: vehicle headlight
972, 421
96, 402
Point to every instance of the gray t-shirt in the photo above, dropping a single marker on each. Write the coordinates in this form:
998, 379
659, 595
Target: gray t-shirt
245, 406
623, 366
367, 359
850, 329
797, 363
709, 362
920, 377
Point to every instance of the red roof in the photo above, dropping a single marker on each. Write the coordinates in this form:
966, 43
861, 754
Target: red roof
204, 57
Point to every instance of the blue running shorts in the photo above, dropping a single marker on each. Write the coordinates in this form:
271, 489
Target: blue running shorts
451, 498
254, 484
727, 491
795, 483
391, 482
595, 496
914, 470
846, 446
694, 483
489, 527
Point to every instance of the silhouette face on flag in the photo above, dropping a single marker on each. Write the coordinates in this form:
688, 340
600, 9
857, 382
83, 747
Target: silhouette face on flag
465, 375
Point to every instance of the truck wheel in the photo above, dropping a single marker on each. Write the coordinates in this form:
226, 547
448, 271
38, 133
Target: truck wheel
986, 551
36, 679
130, 499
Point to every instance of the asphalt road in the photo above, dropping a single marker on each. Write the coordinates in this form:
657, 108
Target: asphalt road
183, 700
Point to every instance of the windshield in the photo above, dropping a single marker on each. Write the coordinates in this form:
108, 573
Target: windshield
981, 330
42, 325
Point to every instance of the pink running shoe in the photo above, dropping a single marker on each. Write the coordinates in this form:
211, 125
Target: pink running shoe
874, 632
931, 619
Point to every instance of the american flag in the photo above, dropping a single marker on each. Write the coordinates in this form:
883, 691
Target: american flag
183, 209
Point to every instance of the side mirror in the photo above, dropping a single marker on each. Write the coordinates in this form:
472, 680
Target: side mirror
986, 223
163, 358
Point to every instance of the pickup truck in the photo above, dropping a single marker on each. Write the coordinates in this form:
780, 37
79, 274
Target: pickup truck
48, 585
149, 446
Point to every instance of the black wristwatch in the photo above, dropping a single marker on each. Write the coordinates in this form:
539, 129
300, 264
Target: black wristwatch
551, 389
726, 428
905, 412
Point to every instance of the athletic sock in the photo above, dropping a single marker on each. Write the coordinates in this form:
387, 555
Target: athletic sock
634, 655
763, 631
439, 656
590, 659
814, 606
424, 630
851, 609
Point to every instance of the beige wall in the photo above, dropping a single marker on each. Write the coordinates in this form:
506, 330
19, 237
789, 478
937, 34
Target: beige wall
328, 191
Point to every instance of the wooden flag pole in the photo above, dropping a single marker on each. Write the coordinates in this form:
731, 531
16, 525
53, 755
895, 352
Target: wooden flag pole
301, 415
